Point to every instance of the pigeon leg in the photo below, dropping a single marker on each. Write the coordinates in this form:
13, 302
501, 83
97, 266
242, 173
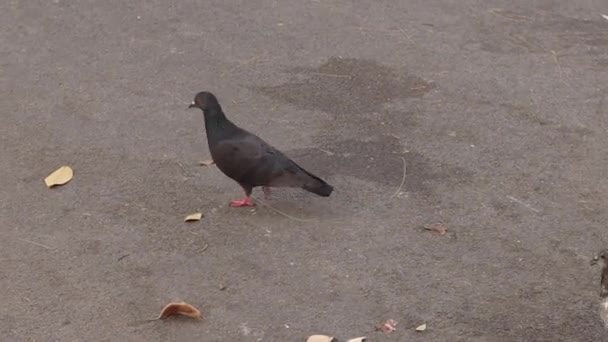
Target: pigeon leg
266, 192
245, 202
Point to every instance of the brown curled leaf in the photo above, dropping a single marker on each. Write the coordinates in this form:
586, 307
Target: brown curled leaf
180, 308
438, 227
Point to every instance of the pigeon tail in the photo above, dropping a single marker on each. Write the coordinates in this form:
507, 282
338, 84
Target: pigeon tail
318, 186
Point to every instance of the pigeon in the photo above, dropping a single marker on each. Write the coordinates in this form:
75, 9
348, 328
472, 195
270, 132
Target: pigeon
603, 255
248, 159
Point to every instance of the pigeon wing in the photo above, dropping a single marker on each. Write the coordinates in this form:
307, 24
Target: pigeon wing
247, 159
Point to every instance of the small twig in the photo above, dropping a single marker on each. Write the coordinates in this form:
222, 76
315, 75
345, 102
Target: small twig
522, 41
36, 243
523, 203
418, 88
499, 13
122, 257
280, 212
242, 64
203, 249
329, 153
331, 75
562, 75
406, 35
402, 180
182, 166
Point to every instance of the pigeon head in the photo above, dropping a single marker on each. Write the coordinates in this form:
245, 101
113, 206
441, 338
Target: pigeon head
205, 101
603, 255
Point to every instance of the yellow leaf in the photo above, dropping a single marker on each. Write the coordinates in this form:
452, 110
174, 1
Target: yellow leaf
421, 327
61, 176
320, 338
180, 308
194, 217
208, 162
358, 339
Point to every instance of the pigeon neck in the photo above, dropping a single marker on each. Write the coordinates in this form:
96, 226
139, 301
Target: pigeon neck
215, 119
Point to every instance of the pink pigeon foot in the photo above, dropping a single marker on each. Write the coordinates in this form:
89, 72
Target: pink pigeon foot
245, 202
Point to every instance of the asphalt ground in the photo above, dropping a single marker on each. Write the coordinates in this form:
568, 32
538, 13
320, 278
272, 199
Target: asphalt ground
497, 110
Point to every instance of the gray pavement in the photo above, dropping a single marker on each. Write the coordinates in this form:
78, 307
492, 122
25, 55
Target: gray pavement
498, 109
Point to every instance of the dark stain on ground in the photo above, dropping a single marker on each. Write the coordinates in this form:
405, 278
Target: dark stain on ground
347, 86
360, 93
380, 161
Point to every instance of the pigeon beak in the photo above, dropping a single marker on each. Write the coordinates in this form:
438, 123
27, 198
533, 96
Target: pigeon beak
192, 105
594, 260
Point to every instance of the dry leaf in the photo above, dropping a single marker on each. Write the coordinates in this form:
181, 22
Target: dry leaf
180, 308
388, 327
437, 228
605, 16
421, 327
194, 217
207, 162
320, 338
61, 176
358, 339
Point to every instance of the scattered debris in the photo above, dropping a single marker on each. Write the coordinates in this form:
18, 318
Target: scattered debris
207, 162
35, 243
387, 327
122, 257
320, 338
421, 327
438, 227
325, 338
523, 203
329, 153
245, 330
402, 179
223, 287
180, 308
193, 217
204, 248
59, 177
